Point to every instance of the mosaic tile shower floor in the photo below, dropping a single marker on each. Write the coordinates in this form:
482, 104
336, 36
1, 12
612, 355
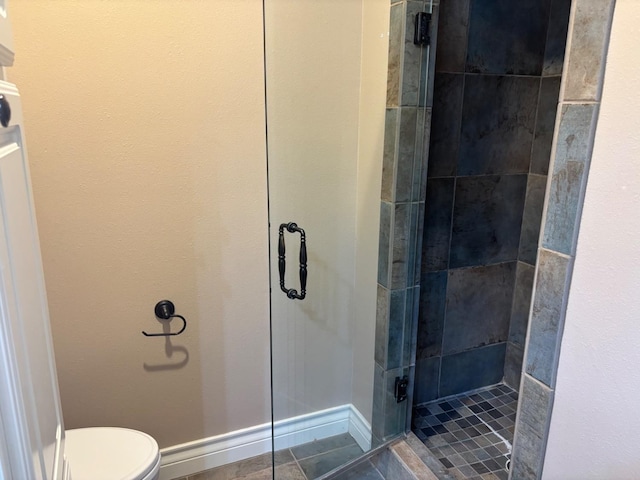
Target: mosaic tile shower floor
471, 433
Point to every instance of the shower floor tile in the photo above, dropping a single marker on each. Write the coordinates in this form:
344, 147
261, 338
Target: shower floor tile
470, 433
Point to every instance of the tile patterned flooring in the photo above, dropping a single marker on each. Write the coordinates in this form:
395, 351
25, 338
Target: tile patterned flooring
471, 433
304, 462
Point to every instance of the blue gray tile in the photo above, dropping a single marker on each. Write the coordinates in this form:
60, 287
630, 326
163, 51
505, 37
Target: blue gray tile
413, 243
545, 123
521, 303
427, 380
569, 176
507, 37
547, 316
437, 224
487, 218
402, 236
532, 425
396, 40
406, 154
452, 36
314, 467
445, 124
513, 365
535, 405
498, 119
409, 338
324, 445
556, 37
382, 325
362, 471
389, 153
396, 329
589, 41
475, 368
384, 243
478, 306
532, 218
433, 294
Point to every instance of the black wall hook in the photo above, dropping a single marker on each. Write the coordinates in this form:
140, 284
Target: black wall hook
165, 310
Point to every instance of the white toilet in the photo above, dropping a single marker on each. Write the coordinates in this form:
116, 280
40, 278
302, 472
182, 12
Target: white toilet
111, 453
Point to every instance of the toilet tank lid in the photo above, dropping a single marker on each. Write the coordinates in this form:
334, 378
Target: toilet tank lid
110, 453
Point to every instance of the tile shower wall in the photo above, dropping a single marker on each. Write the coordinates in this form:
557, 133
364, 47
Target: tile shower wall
589, 30
407, 122
496, 88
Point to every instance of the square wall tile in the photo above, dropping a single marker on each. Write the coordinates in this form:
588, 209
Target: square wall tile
433, 294
427, 380
569, 176
545, 123
534, 414
556, 37
532, 218
507, 37
478, 306
487, 218
498, 118
390, 150
547, 316
472, 369
437, 224
453, 24
589, 40
521, 303
445, 124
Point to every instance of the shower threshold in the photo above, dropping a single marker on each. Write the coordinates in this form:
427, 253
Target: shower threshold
471, 433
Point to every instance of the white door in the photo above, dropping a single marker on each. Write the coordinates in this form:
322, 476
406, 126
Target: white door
31, 428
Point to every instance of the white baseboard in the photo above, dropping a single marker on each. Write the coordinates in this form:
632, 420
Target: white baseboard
192, 457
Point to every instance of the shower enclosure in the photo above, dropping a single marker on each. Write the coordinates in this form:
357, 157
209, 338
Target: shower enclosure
328, 106
409, 146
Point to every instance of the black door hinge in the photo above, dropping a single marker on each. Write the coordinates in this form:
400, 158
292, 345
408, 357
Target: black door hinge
402, 385
421, 35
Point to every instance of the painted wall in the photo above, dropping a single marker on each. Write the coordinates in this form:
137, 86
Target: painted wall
593, 430
150, 183
145, 128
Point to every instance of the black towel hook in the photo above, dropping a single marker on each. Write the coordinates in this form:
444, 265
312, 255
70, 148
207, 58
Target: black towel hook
166, 310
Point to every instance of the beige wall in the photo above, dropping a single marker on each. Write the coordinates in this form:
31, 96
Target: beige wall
145, 130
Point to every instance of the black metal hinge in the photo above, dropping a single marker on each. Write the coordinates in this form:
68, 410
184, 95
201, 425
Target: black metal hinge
402, 385
421, 35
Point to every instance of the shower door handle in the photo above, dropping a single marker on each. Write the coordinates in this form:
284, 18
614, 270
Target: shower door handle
282, 261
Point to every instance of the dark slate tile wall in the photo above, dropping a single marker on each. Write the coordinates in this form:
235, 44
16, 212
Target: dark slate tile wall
507, 37
492, 125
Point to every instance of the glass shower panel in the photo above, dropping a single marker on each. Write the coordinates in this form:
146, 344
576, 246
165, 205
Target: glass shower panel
327, 65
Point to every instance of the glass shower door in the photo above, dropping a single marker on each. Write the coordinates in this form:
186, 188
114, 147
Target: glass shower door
327, 65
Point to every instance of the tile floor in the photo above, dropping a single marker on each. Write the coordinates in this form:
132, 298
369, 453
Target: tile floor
471, 433
304, 462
